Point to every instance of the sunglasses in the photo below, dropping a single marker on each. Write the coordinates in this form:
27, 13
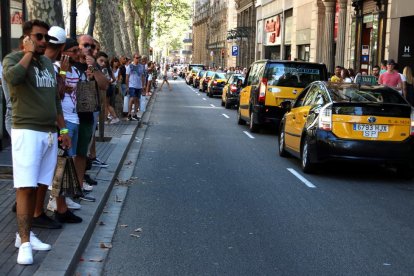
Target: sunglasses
89, 46
137, 57
40, 36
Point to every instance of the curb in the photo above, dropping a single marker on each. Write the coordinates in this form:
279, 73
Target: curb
72, 241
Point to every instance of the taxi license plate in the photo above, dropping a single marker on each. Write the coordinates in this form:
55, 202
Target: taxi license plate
370, 131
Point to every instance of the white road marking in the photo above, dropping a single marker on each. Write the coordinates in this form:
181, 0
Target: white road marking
204, 99
225, 115
212, 105
248, 134
301, 178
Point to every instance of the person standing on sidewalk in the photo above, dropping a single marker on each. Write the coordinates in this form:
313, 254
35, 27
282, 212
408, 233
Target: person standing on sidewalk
391, 77
36, 109
135, 78
88, 72
60, 205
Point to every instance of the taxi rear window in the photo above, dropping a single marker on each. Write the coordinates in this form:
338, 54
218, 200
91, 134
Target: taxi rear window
292, 74
356, 94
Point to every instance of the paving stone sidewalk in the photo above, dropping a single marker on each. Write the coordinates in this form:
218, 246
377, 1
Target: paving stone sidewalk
68, 242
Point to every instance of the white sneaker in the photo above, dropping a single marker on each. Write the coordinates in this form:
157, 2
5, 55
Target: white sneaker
35, 243
25, 256
72, 204
114, 121
87, 187
51, 206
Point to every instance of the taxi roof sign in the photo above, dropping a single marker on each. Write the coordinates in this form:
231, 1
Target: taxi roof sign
366, 80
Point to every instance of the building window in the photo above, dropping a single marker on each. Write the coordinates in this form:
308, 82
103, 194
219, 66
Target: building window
303, 52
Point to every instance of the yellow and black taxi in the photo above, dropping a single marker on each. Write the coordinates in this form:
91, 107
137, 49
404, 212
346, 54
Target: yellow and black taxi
196, 79
205, 79
269, 83
189, 71
215, 84
191, 75
330, 121
231, 90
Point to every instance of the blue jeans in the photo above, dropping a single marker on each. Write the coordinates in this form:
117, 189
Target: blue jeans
73, 134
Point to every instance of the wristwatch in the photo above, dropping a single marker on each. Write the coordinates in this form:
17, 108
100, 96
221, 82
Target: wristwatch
92, 68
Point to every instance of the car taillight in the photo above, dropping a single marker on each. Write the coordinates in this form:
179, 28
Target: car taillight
412, 122
325, 118
233, 88
262, 91
214, 82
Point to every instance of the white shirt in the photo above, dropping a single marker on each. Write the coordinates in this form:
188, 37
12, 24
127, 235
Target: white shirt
135, 73
69, 100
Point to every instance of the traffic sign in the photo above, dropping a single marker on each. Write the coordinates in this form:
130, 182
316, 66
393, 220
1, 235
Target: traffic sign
234, 50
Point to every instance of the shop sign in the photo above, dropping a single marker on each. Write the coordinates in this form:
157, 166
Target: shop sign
368, 18
273, 31
407, 51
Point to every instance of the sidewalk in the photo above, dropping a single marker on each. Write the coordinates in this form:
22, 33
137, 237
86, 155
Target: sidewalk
69, 242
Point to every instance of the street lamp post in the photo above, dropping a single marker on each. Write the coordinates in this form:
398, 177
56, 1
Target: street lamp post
73, 14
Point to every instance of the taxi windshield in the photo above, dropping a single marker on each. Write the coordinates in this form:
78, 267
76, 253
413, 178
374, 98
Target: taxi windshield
354, 93
219, 76
210, 73
292, 74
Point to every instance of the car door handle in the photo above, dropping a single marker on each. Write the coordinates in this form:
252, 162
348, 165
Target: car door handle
293, 117
305, 115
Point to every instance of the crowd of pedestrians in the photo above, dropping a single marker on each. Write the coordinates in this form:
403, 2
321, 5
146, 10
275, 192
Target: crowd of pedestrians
41, 81
386, 74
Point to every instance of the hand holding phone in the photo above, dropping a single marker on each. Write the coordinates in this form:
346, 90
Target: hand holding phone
28, 45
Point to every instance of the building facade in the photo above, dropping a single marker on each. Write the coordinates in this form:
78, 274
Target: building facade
200, 32
244, 34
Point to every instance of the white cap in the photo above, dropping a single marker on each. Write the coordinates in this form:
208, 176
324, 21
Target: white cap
57, 34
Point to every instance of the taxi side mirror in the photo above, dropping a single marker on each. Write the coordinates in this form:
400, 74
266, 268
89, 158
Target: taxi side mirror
286, 105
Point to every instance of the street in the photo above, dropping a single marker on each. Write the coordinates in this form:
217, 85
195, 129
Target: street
214, 199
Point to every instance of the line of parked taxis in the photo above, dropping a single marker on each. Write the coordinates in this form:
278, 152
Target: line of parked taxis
318, 121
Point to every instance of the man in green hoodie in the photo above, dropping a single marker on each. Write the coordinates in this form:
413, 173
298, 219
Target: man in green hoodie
37, 112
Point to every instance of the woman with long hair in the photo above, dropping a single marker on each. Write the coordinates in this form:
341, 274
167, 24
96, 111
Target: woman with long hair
409, 84
165, 78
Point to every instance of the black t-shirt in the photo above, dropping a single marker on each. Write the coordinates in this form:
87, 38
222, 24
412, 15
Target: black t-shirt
84, 117
122, 71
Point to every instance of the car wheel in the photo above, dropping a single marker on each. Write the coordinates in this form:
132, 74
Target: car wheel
307, 165
405, 172
227, 105
282, 151
253, 127
240, 121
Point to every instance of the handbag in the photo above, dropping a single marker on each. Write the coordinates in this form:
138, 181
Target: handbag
65, 179
87, 97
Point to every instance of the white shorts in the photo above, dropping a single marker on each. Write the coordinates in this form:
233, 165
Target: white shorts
34, 156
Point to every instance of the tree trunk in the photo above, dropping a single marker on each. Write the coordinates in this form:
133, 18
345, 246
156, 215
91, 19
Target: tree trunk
92, 16
46, 10
114, 10
130, 26
124, 32
103, 29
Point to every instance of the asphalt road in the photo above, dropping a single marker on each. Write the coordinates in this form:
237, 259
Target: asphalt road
212, 199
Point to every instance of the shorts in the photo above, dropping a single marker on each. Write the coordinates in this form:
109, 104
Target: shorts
165, 77
73, 134
34, 155
135, 92
123, 89
110, 91
84, 137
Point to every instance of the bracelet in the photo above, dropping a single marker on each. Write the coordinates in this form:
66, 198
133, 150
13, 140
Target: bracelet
63, 131
63, 73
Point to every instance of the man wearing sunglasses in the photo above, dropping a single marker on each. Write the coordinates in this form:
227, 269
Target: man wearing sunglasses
36, 106
135, 79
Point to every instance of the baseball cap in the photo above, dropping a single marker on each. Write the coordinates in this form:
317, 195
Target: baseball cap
390, 62
70, 42
57, 35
